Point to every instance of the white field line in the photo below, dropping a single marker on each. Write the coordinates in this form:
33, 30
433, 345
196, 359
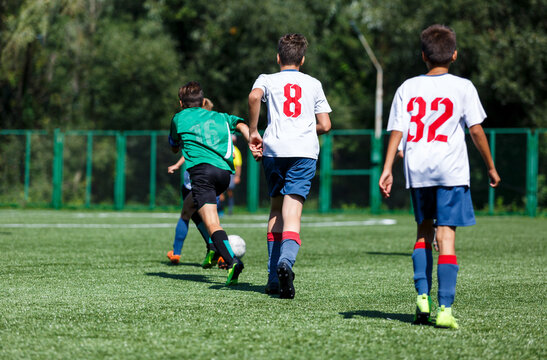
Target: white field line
150, 215
224, 225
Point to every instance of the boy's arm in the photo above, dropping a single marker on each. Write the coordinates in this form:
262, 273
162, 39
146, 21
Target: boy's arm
386, 179
243, 129
323, 123
481, 143
171, 169
174, 137
255, 140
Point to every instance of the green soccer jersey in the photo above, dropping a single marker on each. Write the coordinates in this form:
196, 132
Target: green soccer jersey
205, 137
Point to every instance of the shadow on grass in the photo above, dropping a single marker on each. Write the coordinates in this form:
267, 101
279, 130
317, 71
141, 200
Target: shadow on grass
5, 233
204, 279
388, 253
169, 263
187, 277
240, 287
407, 318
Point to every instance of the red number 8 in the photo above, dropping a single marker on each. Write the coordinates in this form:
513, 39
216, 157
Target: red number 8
292, 100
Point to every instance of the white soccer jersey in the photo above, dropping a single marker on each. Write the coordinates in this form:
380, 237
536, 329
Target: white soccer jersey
293, 99
432, 112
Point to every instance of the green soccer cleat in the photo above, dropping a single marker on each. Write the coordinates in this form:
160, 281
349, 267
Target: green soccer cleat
234, 272
423, 310
445, 319
210, 260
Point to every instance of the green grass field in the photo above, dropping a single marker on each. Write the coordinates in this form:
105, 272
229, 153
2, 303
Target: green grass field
95, 285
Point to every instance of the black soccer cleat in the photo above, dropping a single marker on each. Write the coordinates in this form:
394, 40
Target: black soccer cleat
272, 288
286, 277
234, 271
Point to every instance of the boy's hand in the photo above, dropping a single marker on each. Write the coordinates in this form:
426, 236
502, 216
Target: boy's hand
494, 178
255, 144
171, 169
385, 183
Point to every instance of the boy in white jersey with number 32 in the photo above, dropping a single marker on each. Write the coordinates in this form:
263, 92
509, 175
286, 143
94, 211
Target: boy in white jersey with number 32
429, 113
298, 111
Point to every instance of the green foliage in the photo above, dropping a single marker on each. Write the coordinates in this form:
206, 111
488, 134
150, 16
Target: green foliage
101, 64
76, 64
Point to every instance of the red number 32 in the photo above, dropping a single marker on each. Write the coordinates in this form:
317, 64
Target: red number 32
417, 119
292, 100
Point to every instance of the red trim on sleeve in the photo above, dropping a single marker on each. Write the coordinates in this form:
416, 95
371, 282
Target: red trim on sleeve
291, 235
270, 236
448, 259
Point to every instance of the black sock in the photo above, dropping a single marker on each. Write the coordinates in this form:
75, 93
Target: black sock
220, 240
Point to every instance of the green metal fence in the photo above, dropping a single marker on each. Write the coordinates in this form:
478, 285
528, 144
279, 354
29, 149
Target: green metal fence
348, 171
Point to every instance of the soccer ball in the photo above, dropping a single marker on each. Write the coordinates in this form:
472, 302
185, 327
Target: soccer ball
238, 245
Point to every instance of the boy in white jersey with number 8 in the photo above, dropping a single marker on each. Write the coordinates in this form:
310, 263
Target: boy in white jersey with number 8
429, 113
297, 112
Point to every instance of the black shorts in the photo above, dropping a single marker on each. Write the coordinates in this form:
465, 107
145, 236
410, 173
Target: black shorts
208, 182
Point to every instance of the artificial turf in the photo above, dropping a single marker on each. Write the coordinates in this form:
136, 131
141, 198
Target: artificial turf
107, 290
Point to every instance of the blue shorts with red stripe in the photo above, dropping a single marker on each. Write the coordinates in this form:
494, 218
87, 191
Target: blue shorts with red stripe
447, 205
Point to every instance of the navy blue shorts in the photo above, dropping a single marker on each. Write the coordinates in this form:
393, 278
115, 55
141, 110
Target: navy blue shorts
289, 176
448, 205
208, 182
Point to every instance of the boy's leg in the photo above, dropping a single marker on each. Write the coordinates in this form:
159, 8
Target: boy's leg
447, 266
274, 237
422, 257
181, 230
211, 255
203, 231
455, 208
292, 213
422, 260
207, 182
209, 214
424, 204
447, 273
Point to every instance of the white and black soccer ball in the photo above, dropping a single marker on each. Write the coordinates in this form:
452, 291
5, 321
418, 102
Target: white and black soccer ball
238, 245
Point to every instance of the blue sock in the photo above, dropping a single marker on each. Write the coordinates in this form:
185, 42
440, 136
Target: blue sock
180, 234
230, 205
289, 248
447, 274
422, 267
274, 248
429, 268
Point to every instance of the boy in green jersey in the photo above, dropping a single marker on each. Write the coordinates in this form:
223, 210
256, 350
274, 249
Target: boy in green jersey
205, 138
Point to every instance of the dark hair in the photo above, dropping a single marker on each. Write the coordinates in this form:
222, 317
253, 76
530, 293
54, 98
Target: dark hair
291, 49
191, 95
438, 44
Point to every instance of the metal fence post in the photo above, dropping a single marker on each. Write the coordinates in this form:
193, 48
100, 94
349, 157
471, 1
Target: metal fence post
491, 190
27, 164
375, 159
153, 151
119, 182
57, 181
325, 174
253, 180
532, 172
88, 168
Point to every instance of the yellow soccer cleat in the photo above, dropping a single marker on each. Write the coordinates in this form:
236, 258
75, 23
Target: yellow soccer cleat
445, 319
